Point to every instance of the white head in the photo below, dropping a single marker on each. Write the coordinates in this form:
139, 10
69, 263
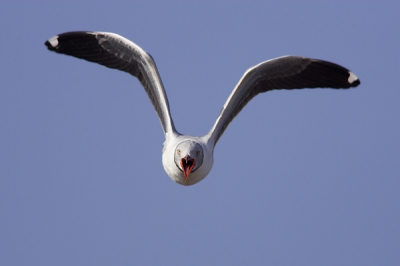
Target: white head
188, 157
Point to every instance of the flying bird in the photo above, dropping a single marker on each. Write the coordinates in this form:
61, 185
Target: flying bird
188, 159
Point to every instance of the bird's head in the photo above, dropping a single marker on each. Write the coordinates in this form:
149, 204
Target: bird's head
188, 157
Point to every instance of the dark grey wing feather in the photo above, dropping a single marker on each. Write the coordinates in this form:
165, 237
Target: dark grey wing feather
114, 51
288, 72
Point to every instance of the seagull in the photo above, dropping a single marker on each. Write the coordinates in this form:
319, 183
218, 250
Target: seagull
188, 159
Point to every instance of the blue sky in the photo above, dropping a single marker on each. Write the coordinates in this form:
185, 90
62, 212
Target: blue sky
306, 177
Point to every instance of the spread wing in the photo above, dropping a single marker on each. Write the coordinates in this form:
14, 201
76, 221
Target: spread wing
287, 72
114, 51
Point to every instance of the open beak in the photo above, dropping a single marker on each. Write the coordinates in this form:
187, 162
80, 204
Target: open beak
187, 164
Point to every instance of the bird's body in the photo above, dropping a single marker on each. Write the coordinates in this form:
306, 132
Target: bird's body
188, 159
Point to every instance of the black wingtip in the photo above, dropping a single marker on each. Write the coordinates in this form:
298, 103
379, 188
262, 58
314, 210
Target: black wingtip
53, 44
356, 83
48, 45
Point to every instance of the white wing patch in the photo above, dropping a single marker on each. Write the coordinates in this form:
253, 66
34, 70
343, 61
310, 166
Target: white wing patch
54, 41
352, 77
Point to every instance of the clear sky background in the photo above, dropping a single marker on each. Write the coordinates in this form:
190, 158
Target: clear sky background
307, 177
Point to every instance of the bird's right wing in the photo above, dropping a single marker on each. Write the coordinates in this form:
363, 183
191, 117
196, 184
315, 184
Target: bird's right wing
287, 72
114, 51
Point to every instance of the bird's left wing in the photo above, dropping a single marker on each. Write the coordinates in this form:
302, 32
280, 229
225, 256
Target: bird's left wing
114, 51
287, 72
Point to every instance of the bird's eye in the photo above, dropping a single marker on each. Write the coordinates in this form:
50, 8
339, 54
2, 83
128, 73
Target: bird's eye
178, 151
197, 152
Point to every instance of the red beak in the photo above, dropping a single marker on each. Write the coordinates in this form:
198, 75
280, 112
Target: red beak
187, 164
